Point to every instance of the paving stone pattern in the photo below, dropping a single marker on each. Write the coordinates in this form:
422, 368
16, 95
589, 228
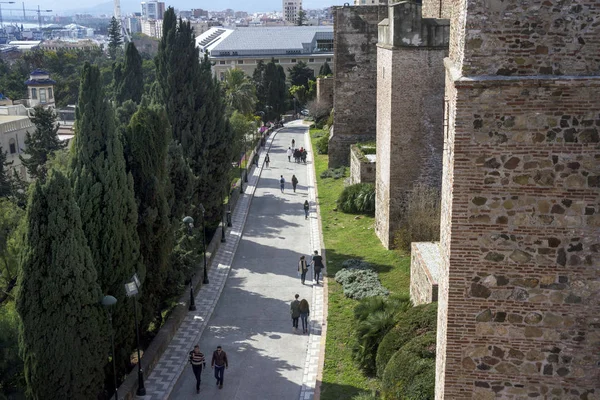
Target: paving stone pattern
161, 382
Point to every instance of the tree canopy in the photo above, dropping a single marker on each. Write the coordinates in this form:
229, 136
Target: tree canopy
325, 70
59, 299
129, 82
240, 92
300, 74
115, 39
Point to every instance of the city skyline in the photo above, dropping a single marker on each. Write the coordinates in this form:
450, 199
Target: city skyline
128, 6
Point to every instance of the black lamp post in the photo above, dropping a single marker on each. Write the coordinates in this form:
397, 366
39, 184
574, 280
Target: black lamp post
245, 152
132, 289
202, 210
108, 302
222, 219
189, 222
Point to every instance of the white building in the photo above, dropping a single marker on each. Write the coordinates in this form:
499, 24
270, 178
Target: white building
243, 48
14, 125
152, 27
40, 89
291, 8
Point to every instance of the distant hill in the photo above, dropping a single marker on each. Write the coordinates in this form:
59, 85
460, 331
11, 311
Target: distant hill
127, 6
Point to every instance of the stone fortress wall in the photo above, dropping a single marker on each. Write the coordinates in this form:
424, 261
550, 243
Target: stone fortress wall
355, 63
519, 292
410, 109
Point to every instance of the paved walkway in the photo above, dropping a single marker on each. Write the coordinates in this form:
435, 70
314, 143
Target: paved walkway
256, 275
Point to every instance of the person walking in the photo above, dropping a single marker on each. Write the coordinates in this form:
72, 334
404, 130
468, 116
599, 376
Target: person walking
306, 209
302, 268
317, 264
198, 363
219, 363
304, 313
294, 182
289, 154
303, 156
295, 312
256, 160
293, 144
267, 160
281, 183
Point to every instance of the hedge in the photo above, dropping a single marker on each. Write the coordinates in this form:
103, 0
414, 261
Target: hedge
358, 198
410, 373
414, 322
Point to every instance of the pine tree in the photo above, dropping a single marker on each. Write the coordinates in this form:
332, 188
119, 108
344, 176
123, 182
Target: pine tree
301, 17
145, 144
300, 74
5, 173
115, 40
325, 70
130, 83
177, 86
104, 192
40, 145
62, 331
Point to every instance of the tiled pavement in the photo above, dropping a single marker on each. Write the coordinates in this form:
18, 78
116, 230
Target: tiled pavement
163, 378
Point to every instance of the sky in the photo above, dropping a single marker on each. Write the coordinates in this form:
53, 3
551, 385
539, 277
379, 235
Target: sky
134, 5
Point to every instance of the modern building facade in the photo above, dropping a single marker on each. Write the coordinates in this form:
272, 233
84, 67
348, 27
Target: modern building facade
291, 9
153, 9
152, 27
243, 48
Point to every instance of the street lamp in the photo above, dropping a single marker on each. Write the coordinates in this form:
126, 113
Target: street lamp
245, 152
132, 289
202, 210
222, 219
189, 222
108, 302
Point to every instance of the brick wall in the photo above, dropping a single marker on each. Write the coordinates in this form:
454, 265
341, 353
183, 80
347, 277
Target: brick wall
410, 110
519, 294
355, 63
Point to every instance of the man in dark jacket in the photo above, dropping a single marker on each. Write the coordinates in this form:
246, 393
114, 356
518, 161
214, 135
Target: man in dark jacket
219, 363
317, 264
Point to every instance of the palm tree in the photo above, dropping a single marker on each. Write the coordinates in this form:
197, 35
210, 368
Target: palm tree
240, 93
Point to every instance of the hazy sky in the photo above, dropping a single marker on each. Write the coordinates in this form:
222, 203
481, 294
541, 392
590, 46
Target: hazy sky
244, 5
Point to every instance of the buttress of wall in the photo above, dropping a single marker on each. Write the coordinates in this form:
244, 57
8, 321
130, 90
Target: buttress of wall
519, 296
355, 64
409, 129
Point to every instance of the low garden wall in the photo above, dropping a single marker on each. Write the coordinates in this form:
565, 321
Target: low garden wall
362, 168
425, 266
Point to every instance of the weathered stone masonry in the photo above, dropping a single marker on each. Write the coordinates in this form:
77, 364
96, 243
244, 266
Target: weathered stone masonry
410, 109
355, 63
519, 293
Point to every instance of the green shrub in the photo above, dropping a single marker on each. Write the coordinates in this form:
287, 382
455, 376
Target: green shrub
410, 373
355, 263
420, 220
330, 118
335, 173
365, 396
374, 317
323, 145
358, 198
360, 283
414, 322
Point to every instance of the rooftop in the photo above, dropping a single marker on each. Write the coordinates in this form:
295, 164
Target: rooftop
267, 40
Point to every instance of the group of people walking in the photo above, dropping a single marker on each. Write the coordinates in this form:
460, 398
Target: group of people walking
298, 154
218, 363
299, 309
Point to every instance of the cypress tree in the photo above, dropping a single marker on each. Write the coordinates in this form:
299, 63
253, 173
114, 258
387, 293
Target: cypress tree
182, 183
177, 64
216, 143
5, 171
40, 145
130, 83
259, 81
104, 191
274, 82
62, 326
325, 70
146, 140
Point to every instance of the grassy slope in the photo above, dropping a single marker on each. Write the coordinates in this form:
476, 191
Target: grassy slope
346, 237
